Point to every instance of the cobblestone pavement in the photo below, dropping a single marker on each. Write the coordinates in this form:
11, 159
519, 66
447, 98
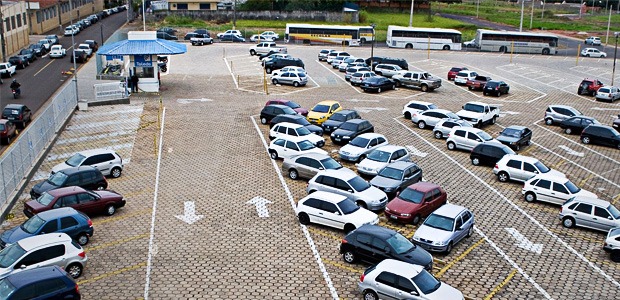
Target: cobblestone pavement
205, 237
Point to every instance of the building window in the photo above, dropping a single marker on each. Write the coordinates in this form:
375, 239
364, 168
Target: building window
7, 24
181, 6
205, 6
19, 21
38, 17
25, 19
13, 22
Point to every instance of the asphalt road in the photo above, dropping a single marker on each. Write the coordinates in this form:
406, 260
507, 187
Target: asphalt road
43, 77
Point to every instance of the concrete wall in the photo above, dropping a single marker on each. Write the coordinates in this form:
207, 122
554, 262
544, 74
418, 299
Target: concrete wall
48, 19
193, 6
227, 15
15, 27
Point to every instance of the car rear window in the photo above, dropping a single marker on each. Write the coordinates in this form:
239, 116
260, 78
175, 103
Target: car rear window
603, 90
463, 74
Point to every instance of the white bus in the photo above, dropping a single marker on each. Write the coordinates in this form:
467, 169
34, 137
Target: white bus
423, 38
331, 34
516, 42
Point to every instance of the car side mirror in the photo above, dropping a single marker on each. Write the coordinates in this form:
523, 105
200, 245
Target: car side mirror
486, 110
22, 267
610, 218
337, 213
350, 191
415, 293
463, 107
321, 168
535, 172
386, 249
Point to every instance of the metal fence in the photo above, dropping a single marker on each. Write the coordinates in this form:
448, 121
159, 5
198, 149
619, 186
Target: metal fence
111, 91
22, 155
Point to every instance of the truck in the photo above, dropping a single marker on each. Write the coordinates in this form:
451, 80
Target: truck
478, 82
7, 70
266, 47
478, 113
421, 80
201, 39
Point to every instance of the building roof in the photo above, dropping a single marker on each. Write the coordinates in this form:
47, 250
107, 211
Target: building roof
141, 47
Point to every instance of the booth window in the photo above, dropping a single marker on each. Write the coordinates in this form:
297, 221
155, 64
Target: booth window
145, 72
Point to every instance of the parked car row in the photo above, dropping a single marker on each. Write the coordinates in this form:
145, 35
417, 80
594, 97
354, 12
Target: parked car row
591, 131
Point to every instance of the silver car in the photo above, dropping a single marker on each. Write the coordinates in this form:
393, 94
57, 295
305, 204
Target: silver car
608, 93
559, 113
381, 157
443, 128
349, 184
612, 244
521, 168
590, 213
357, 149
431, 117
397, 176
105, 160
350, 61
444, 228
388, 70
291, 78
467, 138
307, 165
323, 54
354, 69
358, 77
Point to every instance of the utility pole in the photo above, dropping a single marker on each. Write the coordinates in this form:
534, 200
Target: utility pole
522, 8
613, 70
411, 14
75, 79
2, 33
532, 16
235, 14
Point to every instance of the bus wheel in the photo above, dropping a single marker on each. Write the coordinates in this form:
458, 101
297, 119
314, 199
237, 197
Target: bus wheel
503, 49
408, 46
545, 51
363, 41
346, 43
446, 47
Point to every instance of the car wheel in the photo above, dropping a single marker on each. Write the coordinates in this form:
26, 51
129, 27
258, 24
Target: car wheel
74, 270
470, 87
348, 228
110, 210
361, 204
349, 257
549, 121
530, 197
503, 177
499, 93
587, 55
416, 219
273, 154
485, 93
268, 70
568, 131
421, 124
295, 84
408, 115
304, 219
438, 134
451, 146
568, 222
493, 120
274, 81
449, 248
475, 161
585, 140
252, 52
397, 82
470, 232
393, 86
82, 239
263, 121
370, 295
615, 256
292, 174
116, 172
10, 74
424, 88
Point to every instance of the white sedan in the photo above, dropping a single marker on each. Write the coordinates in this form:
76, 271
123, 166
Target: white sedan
593, 52
259, 37
287, 147
271, 35
333, 210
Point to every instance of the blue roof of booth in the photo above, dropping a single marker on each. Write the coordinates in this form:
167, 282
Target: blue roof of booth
138, 47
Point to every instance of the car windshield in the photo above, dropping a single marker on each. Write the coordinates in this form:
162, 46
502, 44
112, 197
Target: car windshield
411, 195
572, 187
301, 131
75, 160
603, 90
485, 136
33, 224
10, 254
331, 164
289, 111
541, 167
511, 132
45, 199
305, 145
474, 107
440, 222
614, 211
391, 173
452, 116
321, 108
359, 142
426, 282
57, 179
359, 184
6, 288
347, 206
380, 156
400, 244
348, 126
302, 121
338, 117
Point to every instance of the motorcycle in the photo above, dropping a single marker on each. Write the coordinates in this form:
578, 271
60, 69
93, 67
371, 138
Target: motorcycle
162, 66
16, 93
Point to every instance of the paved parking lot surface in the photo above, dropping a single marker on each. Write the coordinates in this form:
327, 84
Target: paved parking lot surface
212, 216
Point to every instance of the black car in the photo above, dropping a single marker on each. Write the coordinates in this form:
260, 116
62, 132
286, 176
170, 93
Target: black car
231, 37
203, 31
338, 118
577, 124
80, 56
377, 84
166, 36
86, 177
19, 61
168, 30
18, 113
372, 243
188, 36
28, 54
601, 135
49, 282
270, 111
488, 153
38, 48
53, 39
375, 60
495, 87
279, 62
350, 129
515, 137
271, 52
296, 119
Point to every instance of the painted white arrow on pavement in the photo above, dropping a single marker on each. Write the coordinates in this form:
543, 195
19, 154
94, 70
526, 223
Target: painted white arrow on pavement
261, 206
369, 109
523, 242
571, 151
358, 100
416, 152
186, 101
189, 213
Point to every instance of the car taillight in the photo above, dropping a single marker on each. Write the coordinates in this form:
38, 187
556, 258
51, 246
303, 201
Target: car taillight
90, 223
19, 117
362, 277
77, 289
497, 88
561, 209
82, 254
496, 167
344, 241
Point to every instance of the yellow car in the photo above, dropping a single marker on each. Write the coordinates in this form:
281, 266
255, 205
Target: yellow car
322, 111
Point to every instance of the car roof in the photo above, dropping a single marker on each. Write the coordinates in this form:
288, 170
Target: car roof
32, 242
419, 102
73, 170
590, 200
424, 186
96, 151
4, 121
449, 210
313, 155
343, 173
66, 190
440, 110
327, 102
277, 105
600, 126
356, 121
289, 124
14, 106
400, 165
345, 112
469, 129
29, 276
375, 230
562, 106
390, 148
398, 267
524, 158
327, 196
550, 177
57, 213
371, 135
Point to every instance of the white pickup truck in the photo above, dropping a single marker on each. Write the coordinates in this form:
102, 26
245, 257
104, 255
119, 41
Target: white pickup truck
266, 47
7, 70
478, 113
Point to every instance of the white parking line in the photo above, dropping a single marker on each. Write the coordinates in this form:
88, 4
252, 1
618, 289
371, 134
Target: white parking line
524, 213
304, 229
231, 75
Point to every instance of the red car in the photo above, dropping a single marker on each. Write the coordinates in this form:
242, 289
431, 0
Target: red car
296, 107
453, 71
416, 202
88, 202
7, 131
589, 86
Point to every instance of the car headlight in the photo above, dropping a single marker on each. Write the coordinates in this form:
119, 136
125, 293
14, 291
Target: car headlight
406, 215
439, 243
512, 143
416, 238
346, 137
387, 209
323, 117
333, 135
389, 189
474, 120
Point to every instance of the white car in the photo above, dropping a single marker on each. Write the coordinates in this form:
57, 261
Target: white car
379, 158
286, 129
552, 189
357, 149
470, 44
358, 77
464, 75
333, 210
259, 38
388, 70
286, 147
593, 52
443, 128
105, 160
608, 93
467, 138
288, 69
612, 244
71, 30
86, 48
431, 117
346, 183
342, 67
416, 106
57, 51
46, 43
334, 54
354, 69
593, 40
271, 35
7, 70
236, 32
521, 168
291, 78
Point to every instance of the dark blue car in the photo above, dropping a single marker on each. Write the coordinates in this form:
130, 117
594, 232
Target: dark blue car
39, 283
67, 220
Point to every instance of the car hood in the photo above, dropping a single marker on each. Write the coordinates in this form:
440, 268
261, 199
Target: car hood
371, 164
363, 216
445, 292
314, 128
60, 167
352, 150
417, 256
316, 115
507, 139
108, 194
42, 187
313, 138
14, 234
332, 123
432, 234
401, 206
384, 182
468, 114
372, 194
343, 132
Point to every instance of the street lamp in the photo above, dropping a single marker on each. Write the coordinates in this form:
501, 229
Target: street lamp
613, 70
521, 23
372, 45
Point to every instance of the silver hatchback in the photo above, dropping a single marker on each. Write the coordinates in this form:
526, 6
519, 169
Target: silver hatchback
307, 165
591, 213
558, 113
445, 227
105, 160
443, 128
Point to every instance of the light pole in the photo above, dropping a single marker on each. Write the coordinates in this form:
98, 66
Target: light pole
477, 8
613, 70
372, 45
522, 8
411, 14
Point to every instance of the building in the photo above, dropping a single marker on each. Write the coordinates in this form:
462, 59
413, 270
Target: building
48, 15
14, 29
193, 4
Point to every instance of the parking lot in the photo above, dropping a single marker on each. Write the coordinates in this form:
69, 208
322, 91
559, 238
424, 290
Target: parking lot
212, 215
